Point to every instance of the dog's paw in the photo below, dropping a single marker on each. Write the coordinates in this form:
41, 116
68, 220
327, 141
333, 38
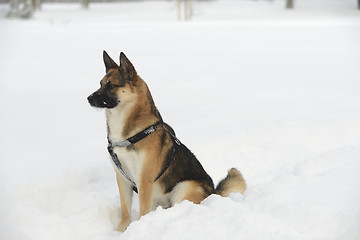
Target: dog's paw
123, 225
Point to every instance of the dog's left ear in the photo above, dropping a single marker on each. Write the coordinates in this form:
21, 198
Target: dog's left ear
127, 66
109, 63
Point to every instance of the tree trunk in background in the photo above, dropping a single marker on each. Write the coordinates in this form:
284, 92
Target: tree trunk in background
188, 9
191, 9
290, 4
359, 4
179, 9
37, 5
85, 4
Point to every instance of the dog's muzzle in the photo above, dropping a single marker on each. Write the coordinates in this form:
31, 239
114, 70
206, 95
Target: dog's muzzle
100, 99
93, 99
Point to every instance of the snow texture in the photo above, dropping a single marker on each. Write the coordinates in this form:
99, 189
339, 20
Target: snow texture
246, 84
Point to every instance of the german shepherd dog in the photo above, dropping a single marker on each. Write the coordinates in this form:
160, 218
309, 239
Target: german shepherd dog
147, 156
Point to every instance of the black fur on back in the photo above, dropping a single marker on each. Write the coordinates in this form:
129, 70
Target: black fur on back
185, 166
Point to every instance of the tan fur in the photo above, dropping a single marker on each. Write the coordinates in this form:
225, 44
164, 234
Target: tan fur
140, 115
151, 168
125, 201
193, 192
233, 182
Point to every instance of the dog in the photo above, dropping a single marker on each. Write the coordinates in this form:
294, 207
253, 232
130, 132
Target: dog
147, 156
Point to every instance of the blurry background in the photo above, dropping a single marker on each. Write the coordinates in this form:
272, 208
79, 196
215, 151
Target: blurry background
186, 9
271, 90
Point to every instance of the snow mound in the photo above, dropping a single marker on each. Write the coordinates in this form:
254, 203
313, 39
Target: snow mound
85, 205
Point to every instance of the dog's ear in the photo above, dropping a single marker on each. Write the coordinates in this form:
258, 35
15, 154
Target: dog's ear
127, 67
109, 63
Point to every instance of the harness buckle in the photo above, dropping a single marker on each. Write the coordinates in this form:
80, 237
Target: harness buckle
122, 144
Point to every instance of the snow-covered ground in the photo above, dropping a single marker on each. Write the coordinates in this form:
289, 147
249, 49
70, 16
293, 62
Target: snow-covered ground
246, 84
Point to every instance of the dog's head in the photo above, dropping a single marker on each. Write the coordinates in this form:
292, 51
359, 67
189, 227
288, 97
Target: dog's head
118, 84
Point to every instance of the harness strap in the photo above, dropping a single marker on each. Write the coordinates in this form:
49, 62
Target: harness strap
116, 161
168, 163
136, 138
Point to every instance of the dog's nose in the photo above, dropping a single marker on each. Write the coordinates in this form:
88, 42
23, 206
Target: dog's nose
91, 99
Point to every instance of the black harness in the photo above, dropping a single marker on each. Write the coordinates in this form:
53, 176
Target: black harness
136, 138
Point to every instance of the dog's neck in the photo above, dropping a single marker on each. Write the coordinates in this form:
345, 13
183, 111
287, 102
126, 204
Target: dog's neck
126, 120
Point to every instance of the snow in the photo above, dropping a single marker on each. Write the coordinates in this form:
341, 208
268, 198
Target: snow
246, 84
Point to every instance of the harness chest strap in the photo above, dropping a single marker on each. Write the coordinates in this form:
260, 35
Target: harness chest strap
136, 138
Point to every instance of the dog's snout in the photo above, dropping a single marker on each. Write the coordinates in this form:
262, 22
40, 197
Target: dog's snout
101, 99
91, 98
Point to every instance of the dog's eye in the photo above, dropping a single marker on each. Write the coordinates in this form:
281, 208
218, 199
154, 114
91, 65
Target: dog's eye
112, 86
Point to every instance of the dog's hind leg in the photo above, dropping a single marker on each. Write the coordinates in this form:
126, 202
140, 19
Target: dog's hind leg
126, 194
192, 191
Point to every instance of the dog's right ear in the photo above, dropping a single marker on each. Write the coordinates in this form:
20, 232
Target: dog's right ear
109, 63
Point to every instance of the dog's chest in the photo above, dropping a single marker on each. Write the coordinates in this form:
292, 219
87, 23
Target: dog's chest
131, 160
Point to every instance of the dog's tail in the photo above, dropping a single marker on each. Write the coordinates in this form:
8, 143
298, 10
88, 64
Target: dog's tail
233, 182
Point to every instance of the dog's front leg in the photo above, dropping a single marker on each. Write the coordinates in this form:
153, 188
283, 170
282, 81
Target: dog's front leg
126, 194
145, 195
